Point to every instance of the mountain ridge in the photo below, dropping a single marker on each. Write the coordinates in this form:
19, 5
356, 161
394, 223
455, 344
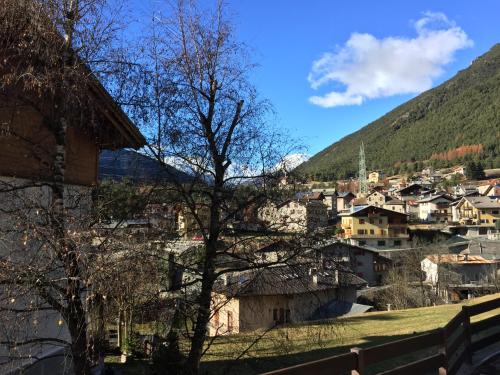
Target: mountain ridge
129, 164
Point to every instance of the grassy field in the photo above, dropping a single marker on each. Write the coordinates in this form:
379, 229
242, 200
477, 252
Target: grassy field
300, 343
286, 346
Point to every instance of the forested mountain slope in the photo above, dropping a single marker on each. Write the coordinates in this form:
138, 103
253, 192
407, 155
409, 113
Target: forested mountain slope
433, 127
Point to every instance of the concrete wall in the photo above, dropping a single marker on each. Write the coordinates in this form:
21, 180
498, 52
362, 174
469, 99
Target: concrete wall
23, 232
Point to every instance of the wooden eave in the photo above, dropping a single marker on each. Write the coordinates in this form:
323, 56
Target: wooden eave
131, 136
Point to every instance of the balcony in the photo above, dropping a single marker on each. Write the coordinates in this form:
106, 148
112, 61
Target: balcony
375, 236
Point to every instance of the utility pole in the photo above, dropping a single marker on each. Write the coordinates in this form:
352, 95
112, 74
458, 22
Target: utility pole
363, 185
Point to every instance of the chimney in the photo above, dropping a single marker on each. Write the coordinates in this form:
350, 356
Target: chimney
314, 273
224, 279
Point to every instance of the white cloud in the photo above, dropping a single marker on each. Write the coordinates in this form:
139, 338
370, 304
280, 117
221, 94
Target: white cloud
370, 68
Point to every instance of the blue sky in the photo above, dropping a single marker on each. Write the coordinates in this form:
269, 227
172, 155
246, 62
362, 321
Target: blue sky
289, 36
343, 54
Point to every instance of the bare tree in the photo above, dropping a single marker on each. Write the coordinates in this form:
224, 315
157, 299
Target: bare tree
204, 116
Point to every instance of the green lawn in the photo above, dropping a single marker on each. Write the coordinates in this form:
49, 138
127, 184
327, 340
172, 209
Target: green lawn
258, 352
133, 367
300, 343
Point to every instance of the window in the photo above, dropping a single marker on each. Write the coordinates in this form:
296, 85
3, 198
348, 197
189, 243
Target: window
361, 221
216, 319
362, 243
361, 231
397, 242
230, 321
372, 221
275, 315
380, 243
287, 316
5, 129
372, 231
494, 212
380, 221
282, 316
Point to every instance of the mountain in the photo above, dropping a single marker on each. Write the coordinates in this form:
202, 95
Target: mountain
456, 121
117, 165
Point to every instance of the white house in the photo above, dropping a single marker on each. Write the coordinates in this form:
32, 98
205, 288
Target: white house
294, 216
458, 269
435, 209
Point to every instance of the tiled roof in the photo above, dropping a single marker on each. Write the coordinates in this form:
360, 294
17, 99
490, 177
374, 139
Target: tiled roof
285, 280
483, 202
358, 209
434, 197
394, 202
345, 194
458, 258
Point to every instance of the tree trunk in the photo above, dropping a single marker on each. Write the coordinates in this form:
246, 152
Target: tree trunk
203, 313
119, 330
208, 279
125, 331
78, 331
74, 313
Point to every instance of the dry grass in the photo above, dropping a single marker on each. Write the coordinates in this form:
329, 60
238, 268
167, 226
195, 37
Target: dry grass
303, 342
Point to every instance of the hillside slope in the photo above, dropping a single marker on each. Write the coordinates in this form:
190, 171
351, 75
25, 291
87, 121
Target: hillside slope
117, 165
465, 110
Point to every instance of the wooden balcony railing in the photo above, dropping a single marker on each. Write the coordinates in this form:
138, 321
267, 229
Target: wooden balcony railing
452, 346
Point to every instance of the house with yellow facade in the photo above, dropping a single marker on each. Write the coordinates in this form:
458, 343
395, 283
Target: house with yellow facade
376, 198
375, 177
483, 211
375, 227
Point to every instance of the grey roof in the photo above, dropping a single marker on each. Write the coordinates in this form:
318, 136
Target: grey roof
483, 202
285, 280
326, 191
395, 201
338, 308
434, 197
339, 245
357, 209
345, 194
411, 187
489, 250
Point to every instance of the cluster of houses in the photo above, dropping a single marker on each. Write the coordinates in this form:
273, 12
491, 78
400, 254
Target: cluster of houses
381, 218
370, 230
365, 233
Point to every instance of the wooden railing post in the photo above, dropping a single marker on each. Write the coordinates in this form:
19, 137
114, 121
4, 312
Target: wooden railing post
361, 368
443, 370
468, 334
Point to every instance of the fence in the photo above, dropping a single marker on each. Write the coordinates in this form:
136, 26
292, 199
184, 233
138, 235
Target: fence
454, 344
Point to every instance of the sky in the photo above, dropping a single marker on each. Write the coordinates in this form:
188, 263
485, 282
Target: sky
330, 67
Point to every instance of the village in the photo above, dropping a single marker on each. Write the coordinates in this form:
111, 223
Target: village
348, 241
